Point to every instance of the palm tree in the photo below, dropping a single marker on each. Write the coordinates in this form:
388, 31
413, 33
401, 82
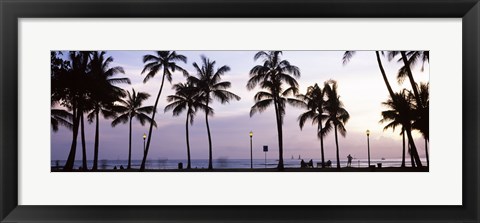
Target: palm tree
209, 83
421, 118
69, 87
337, 114
129, 109
314, 101
58, 116
187, 98
410, 59
271, 75
62, 92
103, 92
395, 115
346, 58
166, 60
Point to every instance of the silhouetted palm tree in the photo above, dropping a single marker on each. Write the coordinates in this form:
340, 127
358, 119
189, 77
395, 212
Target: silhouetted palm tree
395, 116
166, 61
421, 118
129, 109
271, 75
346, 58
410, 59
68, 87
337, 114
103, 93
209, 84
187, 98
314, 101
63, 92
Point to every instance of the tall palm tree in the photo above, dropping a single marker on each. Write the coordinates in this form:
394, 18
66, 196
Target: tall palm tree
346, 58
58, 69
410, 59
395, 116
209, 83
271, 75
72, 92
165, 61
421, 118
62, 92
103, 92
187, 98
337, 114
130, 108
314, 101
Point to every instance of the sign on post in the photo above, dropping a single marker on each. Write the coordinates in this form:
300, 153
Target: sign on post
265, 149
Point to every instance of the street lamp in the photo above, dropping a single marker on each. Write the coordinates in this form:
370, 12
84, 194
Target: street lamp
144, 137
251, 153
368, 145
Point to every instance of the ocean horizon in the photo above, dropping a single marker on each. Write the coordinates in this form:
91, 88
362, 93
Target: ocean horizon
226, 163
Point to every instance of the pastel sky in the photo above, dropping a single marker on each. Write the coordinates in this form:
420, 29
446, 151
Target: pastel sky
360, 87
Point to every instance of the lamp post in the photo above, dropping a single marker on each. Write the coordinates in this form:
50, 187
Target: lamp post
368, 145
251, 153
144, 137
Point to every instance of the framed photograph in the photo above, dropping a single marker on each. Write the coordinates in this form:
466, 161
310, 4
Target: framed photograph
204, 111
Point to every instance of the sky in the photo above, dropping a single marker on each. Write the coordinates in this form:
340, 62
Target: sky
360, 86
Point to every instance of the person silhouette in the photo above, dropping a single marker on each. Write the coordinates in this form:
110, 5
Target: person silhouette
349, 163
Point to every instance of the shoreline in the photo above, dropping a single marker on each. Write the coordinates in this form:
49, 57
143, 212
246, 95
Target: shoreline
258, 170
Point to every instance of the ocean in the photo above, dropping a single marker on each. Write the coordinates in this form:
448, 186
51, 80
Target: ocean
225, 163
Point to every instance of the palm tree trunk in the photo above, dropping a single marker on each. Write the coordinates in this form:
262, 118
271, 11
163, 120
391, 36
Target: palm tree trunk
390, 91
142, 166
321, 143
129, 166
95, 155
73, 148
413, 149
84, 149
403, 152
426, 153
280, 136
336, 143
188, 144
210, 166
411, 156
410, 77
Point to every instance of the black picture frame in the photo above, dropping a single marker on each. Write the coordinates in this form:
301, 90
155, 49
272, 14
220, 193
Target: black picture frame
11, 11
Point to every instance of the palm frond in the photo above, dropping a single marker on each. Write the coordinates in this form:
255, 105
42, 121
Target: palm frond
146, 109
143, 118
305, 116
121, 119
260, 106
347, 56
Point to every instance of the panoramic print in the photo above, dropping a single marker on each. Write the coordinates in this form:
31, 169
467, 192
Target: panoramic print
239, 111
